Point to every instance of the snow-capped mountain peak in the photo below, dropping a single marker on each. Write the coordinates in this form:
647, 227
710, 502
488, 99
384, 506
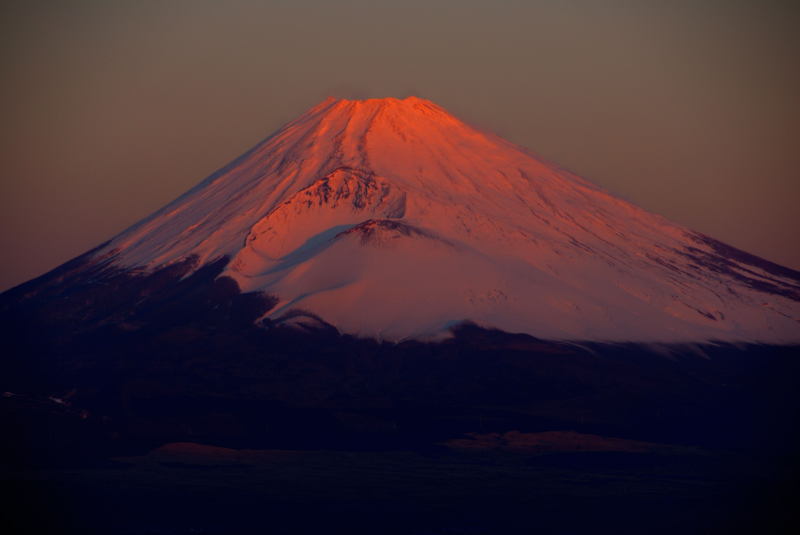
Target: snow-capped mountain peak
392, 218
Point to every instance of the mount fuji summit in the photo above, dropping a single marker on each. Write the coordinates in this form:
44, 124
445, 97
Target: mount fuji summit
392, 219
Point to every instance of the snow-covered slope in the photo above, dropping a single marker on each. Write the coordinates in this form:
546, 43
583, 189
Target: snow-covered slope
391, 218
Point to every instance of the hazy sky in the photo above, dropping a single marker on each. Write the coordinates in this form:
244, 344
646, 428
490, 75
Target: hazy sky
112, 108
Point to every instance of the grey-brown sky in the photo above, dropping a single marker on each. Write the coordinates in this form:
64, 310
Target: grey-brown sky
112, 108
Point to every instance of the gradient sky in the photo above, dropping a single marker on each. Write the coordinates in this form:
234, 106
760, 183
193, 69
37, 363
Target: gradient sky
112, 108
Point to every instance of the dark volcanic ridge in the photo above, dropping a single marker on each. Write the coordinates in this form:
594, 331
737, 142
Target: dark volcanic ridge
148, 355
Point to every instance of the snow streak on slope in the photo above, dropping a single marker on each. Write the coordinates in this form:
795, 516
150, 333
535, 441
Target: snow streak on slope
391, 218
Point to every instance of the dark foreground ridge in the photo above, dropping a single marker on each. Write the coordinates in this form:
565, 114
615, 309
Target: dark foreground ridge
101, 368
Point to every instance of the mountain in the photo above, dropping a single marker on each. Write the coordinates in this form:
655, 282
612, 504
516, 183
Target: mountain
392, 219
405, 325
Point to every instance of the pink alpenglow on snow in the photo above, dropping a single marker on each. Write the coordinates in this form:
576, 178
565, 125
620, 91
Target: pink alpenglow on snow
392, 219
